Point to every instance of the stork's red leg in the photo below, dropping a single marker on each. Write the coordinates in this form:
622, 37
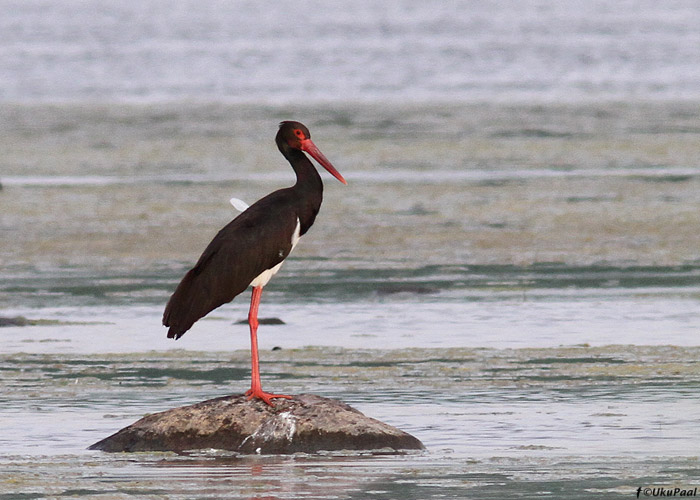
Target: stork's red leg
255, 385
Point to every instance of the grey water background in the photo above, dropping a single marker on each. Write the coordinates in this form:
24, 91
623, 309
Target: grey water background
512, 273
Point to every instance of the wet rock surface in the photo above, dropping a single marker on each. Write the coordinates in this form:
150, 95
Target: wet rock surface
306, 423
14, 321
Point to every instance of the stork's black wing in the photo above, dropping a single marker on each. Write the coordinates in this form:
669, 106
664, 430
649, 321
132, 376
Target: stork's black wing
256, 240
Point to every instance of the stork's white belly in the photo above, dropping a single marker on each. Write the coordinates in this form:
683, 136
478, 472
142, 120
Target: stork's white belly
264, 277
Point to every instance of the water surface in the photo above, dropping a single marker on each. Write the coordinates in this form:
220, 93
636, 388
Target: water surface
512, 274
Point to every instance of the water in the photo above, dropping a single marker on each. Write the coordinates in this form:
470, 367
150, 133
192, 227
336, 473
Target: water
511, 275
519, 301
497, 422
396, 50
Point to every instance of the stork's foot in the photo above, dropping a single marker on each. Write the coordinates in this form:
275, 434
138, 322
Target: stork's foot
265, 396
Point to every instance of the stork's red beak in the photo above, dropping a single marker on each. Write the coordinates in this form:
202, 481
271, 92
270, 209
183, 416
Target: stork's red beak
308, 146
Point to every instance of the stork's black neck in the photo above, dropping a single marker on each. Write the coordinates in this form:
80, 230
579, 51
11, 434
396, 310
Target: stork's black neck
308, 188
307, 175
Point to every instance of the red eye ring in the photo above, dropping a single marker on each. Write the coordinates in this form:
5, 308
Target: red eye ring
299, 133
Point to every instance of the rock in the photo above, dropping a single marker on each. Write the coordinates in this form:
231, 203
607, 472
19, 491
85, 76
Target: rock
22, 321
403, 288
263, 321
14, 321
306, 423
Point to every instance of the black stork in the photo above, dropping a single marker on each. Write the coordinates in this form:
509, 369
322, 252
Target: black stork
251, 248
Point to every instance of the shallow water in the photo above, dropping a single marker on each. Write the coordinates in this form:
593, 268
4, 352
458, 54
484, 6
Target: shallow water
436, 306
512, 273
497, 422
361, 51
515, 285
466, 184
510, 376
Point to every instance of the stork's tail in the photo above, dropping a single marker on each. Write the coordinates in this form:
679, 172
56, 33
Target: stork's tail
179, 315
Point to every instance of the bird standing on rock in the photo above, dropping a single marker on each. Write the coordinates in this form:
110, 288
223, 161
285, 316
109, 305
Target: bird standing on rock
251, 248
